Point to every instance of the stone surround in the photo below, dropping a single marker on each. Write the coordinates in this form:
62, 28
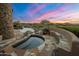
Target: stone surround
49, 48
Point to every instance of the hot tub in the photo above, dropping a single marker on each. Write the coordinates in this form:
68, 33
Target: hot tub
33, 41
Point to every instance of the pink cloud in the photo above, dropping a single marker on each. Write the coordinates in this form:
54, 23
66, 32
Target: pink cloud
38, 8
50, 14
69, 17
73, 14
59, 13
32, 12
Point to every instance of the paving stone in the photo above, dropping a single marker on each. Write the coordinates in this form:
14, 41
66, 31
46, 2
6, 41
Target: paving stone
20, 52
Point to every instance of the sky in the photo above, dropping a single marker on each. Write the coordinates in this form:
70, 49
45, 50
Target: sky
53, 12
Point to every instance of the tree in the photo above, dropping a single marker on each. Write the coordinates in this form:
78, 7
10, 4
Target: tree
6, 21
45, 23
17, 25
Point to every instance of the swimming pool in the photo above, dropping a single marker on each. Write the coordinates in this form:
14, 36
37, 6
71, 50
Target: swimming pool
32, 41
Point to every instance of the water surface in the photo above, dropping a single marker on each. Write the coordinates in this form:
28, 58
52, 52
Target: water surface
32, 42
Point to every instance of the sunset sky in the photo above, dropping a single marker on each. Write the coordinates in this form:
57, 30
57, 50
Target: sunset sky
54, 12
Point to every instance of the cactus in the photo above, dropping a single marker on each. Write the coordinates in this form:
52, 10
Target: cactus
6, 21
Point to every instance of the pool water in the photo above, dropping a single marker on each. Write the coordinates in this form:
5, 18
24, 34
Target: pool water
32, 42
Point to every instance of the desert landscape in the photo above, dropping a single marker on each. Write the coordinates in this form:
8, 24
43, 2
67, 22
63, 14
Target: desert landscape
39, 29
